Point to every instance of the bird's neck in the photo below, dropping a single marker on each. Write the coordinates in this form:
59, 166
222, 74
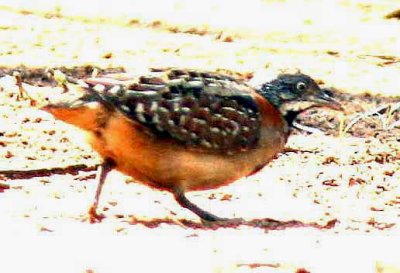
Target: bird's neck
271, 93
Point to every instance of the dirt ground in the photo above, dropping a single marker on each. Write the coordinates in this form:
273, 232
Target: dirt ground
329, 203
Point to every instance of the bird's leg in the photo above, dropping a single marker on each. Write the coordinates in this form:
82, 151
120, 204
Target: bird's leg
18, 82
184, 202
101, 176
21, 91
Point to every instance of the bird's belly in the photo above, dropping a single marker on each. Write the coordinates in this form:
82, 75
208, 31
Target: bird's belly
165, 163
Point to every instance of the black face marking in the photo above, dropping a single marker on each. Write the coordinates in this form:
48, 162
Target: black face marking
291, 116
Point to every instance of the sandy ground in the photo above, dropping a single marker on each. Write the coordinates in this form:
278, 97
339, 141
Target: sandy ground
334, 196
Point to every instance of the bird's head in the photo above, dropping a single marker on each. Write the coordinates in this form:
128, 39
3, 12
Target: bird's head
297, 92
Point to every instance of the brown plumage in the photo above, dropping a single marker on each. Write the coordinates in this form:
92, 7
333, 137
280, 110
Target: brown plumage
183, 130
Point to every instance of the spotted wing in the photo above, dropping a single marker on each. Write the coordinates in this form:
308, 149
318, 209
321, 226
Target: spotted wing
199, 109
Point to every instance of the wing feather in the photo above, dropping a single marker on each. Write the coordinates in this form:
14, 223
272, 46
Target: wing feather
198, 109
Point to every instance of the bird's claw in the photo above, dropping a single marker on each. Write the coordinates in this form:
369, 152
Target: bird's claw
95, 217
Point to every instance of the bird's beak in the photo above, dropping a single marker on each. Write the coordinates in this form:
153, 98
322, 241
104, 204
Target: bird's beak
326, 99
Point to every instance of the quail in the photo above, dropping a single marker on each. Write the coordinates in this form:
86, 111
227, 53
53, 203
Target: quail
185, 130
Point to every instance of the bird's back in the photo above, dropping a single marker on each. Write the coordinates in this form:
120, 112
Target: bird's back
204, 110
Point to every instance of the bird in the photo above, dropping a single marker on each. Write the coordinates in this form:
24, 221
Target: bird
183, 130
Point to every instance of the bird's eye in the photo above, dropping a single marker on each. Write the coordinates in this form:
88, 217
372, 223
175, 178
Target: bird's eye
301, 86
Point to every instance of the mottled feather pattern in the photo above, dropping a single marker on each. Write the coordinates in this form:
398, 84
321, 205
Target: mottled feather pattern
199, 109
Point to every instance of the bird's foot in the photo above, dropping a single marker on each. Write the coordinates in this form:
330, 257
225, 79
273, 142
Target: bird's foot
207, 218
93, 216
